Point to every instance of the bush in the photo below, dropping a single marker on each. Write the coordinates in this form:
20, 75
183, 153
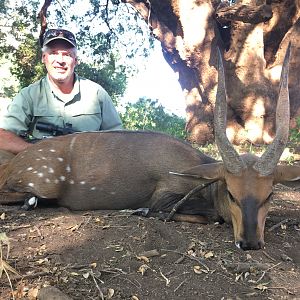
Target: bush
295, 132
147, 114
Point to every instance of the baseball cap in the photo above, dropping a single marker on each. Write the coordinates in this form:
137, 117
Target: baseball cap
59, 34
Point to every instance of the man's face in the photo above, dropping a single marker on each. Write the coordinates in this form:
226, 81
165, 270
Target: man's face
60, 61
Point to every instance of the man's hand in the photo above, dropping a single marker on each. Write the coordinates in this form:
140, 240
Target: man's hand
9, 141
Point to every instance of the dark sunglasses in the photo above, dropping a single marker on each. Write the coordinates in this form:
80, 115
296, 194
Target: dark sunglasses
54, 33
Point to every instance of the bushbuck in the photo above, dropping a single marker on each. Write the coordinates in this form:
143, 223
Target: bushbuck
124, 169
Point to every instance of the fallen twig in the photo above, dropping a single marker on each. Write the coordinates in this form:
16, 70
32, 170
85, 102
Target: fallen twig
165, 278
272, 267
269, 256
181, 283
19, 227
281, 288
278, 224
242, 267
39, 232
189, 256
97, 286
185, 198
31, 276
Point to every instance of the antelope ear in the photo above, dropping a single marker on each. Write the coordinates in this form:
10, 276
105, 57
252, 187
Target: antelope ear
288, 175
213, 171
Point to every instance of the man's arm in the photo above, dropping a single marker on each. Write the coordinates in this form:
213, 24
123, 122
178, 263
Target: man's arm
9, 141
110, 117
14, 120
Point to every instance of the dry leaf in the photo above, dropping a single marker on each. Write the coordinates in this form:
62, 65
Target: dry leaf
143, 258
197, 270
119, 249
42, 261
74, 274
99, 221
32, 293
2, 216
93, 265
209, 254
142, 269
134, 297
191, 252
261, 287
110, 293
64, 279
73, 228
20, 292
238, 277
86, 275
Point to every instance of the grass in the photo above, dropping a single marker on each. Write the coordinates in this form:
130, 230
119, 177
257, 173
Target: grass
290, 154
4, 266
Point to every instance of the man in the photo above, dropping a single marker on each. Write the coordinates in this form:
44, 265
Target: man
60, 98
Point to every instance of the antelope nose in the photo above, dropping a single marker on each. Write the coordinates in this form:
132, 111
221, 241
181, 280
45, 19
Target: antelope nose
249, 245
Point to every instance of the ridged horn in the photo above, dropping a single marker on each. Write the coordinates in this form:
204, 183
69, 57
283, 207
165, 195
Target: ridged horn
231, 159
268, 161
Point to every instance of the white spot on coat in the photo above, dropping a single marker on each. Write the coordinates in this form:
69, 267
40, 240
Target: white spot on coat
60, 159
82, 182
71, 181
56, 181
40, 150
52, 150
62, 178
40, 174
93, 188
47, 180
50, 170
68, 168
45, 167
31, 184
29, 169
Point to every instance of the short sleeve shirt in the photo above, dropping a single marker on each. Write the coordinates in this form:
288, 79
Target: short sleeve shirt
87, 108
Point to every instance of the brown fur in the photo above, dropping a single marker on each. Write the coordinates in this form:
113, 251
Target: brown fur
123, 169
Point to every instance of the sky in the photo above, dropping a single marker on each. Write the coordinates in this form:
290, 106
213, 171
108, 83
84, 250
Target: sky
157, 81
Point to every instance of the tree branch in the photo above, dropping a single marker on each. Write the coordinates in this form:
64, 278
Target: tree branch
43, 20
243, 13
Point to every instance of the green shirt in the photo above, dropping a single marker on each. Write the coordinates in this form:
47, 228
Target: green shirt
87, 108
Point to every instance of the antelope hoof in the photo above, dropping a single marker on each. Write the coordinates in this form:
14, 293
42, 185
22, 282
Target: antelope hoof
30, 204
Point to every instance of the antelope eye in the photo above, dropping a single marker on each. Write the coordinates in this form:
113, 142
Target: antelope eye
230, 197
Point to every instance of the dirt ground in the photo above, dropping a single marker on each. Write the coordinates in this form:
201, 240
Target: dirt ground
116, 255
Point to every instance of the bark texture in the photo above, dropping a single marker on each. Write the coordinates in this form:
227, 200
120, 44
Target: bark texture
253, 36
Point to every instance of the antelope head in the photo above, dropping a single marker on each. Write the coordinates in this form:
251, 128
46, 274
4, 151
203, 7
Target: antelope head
249, 179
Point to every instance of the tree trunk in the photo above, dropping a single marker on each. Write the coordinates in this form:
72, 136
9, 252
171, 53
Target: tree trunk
253, 36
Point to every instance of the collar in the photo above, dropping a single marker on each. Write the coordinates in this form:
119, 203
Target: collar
61, 96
